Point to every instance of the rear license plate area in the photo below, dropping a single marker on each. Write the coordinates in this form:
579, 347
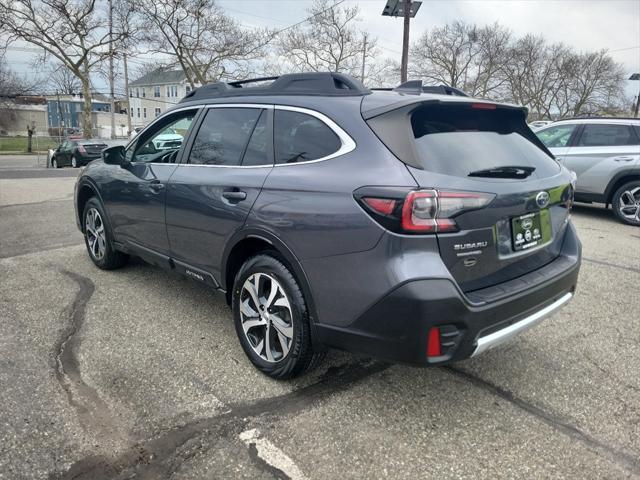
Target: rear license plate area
528, 231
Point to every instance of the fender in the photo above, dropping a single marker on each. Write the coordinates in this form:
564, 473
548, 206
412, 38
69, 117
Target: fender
289, 256
630, 172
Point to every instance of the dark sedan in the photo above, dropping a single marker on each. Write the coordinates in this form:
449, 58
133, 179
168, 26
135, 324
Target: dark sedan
77, 153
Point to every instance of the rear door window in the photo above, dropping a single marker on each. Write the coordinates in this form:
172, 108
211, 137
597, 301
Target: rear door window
606, 135
459, 140
299, 137
223, 136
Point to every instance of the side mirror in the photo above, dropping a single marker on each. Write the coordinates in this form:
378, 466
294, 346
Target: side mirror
114, 155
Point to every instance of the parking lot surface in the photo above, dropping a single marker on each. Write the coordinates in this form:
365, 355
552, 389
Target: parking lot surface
137, 373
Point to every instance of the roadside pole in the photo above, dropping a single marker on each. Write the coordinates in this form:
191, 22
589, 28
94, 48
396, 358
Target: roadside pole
126, 92
111, 79
405, 41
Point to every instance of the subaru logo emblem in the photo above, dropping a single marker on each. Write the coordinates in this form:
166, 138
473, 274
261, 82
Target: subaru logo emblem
542, 199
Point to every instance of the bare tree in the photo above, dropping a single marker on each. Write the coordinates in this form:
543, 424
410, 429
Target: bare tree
446, 55
329, 41
200, 38
549, 79
74, 33
63, 80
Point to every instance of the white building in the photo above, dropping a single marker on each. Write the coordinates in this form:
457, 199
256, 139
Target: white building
154, 93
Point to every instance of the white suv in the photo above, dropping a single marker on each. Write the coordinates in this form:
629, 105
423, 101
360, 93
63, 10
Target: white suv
605, 155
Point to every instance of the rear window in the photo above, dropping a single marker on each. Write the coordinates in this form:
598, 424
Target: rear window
458, 140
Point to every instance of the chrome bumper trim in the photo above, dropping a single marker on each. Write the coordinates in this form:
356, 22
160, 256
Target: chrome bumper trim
496, 338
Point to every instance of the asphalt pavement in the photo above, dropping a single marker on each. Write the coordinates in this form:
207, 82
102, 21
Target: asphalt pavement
137, 373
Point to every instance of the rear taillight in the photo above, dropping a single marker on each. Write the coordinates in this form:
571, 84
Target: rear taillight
81, 149
423, 211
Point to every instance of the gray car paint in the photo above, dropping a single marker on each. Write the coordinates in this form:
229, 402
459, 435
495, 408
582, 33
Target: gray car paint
310, 208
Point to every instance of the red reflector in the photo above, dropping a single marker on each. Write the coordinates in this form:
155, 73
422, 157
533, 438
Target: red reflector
433, 343
384, 206
483, 106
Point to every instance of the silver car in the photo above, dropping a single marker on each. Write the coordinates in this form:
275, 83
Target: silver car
605, 155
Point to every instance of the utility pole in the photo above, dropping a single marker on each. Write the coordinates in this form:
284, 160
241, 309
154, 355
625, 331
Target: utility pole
408, 10
405, 41
126, 92
364, 57
112, 99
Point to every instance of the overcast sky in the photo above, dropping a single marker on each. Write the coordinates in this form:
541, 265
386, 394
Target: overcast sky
582, 24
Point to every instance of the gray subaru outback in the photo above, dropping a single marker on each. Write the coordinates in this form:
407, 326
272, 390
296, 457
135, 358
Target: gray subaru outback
413, 225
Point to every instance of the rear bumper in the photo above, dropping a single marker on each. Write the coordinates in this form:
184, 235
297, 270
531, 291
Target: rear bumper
396, 327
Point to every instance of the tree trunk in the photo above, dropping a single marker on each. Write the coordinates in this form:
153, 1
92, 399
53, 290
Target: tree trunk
86, 111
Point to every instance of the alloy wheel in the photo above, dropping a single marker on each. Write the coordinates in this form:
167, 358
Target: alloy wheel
94, 230
55, 163
629, 204
74, 164
266, 317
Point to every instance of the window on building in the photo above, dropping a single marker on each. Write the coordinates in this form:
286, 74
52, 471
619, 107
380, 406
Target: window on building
144, 93
130, 93
187, 89
137, 93
138, 112
132, 113
223, 136
144, 112
156, 91
300, 137
158, 112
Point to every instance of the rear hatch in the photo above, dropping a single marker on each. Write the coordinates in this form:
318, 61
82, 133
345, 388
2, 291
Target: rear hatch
502, 198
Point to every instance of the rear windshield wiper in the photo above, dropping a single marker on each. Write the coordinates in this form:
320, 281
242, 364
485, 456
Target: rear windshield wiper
504, 172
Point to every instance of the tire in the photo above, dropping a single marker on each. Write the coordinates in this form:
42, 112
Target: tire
54, 163
284, 320
98, 237
74, 163
626, 203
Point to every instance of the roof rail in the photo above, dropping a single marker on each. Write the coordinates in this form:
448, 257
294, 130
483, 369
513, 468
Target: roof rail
596, 117
416, 87
316, 83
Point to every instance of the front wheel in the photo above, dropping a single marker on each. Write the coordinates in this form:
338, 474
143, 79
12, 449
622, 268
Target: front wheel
626, 203
74, 163
54, 162
271, 318
98, 238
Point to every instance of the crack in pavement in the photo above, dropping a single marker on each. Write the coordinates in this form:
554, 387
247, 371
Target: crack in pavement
626, 460
93, 413
613, 265
161, 456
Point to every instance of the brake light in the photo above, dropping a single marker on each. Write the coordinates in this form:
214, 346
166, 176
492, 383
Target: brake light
385, 206
431, 211
81, 148
483, 106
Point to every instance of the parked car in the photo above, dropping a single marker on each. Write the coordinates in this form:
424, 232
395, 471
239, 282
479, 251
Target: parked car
605, 155
167, 140
410, 226
539, 124
77, 153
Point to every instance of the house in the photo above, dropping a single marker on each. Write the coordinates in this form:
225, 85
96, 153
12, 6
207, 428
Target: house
18, 113
65, 111
154, 93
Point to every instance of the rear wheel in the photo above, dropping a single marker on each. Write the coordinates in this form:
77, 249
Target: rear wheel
626, 203
98, 238
271, 318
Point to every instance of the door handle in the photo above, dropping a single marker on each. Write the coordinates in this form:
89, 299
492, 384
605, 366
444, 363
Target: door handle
234, 195
156, 186
623, 159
